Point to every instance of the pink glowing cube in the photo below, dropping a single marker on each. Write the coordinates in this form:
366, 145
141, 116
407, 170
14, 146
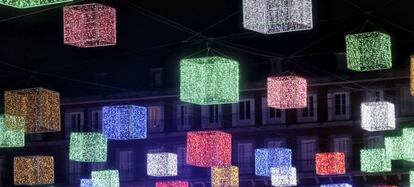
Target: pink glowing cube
286, 92
172, 184
89, 25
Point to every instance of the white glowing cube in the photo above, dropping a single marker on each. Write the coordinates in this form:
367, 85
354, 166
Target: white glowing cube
377, 116
283, 176
161, 164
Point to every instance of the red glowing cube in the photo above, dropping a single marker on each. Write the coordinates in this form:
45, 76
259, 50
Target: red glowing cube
208, 148
330, 163
89, 25
287, 92
172, 184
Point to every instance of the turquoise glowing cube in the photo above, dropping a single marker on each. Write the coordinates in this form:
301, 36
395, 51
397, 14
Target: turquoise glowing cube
30, 3
209, 80
374, 161
408, 138
11, 131
105, 178
88, 147
368, 51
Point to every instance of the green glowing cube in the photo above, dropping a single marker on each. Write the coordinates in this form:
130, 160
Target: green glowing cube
375, 160
11, 131
368, 51
87, 147
105, 178
30, 3
408, 138
394, 146
411, 178
209, 80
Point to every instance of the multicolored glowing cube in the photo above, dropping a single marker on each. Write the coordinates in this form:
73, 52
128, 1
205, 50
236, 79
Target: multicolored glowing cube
375, 160
265, 159
337, 185
34, 170
172, 184
277, 16
161, 164
283, 176
225, 176
11, 131
287, 92
30, 3
105, 178
124, 122
330, 163
38, 106
87, 147
394, 146
89, 25
86, 183
408, 138
377, 116
209, 80
368, 51
208, 148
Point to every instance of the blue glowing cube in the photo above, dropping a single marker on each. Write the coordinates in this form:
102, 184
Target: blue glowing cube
124, 122
86, 183
336, 185
271, 157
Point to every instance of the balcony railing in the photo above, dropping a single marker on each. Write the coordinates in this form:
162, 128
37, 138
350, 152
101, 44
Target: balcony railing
336, 114
210, 122
240, 119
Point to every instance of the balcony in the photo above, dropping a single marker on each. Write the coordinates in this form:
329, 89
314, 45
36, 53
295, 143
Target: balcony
243, 119
339, 114
212, 122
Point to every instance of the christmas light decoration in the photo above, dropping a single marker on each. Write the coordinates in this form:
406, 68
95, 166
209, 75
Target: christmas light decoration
87, 147
225, 176
208, 148
34, 170
277, 16
408, 138
105, 178
368, 51
89, 25
337, 185
411, 178
271, 157
172, 184
330, 163
377, 116
375, 160
412, 75
39, 107
31, 3
161, 164
11, 131
287, 92
283, 176
86, 183
394, 147
209, 80
124, 122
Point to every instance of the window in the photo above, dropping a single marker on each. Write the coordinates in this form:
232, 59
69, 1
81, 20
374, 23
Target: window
338, 104
272, 115
308, 149
376, 141
74, 170
406, 101
372, 95
275, 143
184, 169
310, 113
243, 113
155, 118
211, 116
73, 122
126, 164
183, 117
156, 77
344, 145
245, 157
96, 121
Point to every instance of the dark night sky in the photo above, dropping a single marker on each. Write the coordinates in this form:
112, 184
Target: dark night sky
32, 52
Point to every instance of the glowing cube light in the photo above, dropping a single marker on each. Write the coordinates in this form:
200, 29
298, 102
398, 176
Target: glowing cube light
124, 122
225, 176
209, 80
412, 75
330, 163
34, 170
172, 184
337, 185
408, 138
11, 131
394, 146
86, 183
89, 25
105, 178
38, 106
375, 160
411, 178
368, 51
267, 158
286, 92
208, 148
377, 116
283, 176
161, 164
87, 147
277, 16
30, 3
